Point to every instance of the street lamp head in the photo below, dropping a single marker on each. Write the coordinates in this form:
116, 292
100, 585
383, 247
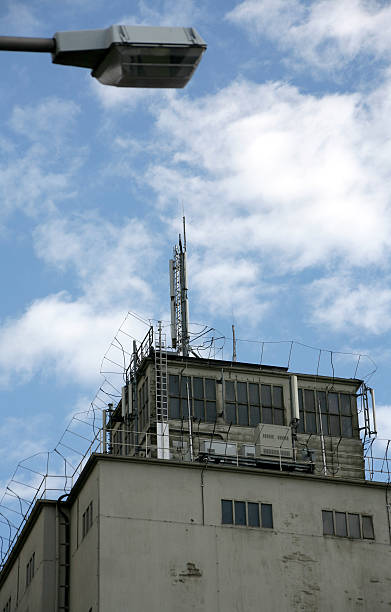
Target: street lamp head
133, 56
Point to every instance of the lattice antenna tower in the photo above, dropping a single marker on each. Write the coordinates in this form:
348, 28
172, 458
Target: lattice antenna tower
178, 292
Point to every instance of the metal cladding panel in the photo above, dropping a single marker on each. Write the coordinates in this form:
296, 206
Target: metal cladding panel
100, 40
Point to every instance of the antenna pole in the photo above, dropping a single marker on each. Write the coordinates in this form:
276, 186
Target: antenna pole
180, 337
233, 344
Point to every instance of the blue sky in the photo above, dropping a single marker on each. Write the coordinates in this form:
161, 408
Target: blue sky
279, 152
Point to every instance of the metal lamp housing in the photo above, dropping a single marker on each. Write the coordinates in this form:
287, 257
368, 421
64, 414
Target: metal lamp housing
133, 56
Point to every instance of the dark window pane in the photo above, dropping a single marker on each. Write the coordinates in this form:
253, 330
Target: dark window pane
267, 415
211, 414
347, 427
210, 388
278, 417
325, 426
322, 404
367, 528
185, 386
240, 513
230, 413
242, 414
340, 524
173, 408
328, 525
266, 395
254, 415
346, 409
253, 514
310, 422
198, 388
185, 408
173, 384
254, 393
354, 525
241, 389
300, 425
309, 400
335, 429
229, 391
199, 410
301, 399
277, 397
226, 512
267, 515
332, 400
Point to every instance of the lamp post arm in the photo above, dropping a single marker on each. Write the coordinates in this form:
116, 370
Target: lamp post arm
21, 43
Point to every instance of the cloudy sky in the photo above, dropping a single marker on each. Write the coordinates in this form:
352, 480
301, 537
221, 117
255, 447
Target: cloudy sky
278, 151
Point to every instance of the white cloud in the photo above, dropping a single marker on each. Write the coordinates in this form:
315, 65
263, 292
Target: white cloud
31, 179
274, 172
112, 262
342, 304
327, 33
50, 119
226, 285
383, 422
58, 336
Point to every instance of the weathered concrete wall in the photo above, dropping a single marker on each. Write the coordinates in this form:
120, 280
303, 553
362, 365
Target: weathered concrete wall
84, 577
40, 594
155, 553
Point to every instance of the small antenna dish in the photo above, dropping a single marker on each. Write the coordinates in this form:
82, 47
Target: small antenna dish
178, 295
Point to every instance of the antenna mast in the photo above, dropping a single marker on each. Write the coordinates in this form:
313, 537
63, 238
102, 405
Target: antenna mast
178, 293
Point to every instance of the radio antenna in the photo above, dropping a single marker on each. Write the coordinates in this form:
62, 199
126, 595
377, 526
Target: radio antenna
180, 336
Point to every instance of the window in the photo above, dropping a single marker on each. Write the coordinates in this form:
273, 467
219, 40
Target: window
143, 407
30, 569
251, 403
7, 607
246, 514
347, 525
334, 409
87, 520
198, 394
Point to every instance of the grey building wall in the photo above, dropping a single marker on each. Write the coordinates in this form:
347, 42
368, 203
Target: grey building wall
162, 548
156, 542
39, 540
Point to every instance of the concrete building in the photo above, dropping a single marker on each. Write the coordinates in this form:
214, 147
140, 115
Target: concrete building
239, 507
216, 486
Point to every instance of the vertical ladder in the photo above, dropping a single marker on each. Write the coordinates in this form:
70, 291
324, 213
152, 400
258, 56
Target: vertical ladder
161, 393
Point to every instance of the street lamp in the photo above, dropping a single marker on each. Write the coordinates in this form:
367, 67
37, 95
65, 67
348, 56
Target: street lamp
124, 56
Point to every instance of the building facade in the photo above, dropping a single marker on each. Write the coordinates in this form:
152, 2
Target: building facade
219, 486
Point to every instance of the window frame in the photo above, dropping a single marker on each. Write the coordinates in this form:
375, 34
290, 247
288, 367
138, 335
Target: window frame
253, 403
234, 504
334, 422
347, 514
203, 409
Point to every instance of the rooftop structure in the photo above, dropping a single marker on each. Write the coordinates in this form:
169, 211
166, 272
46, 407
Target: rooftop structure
212, 484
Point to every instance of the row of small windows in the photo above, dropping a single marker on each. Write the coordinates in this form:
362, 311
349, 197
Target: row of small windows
348, 525
335, 409
246, 513
30, 568
87, 519
257, 514
245, 403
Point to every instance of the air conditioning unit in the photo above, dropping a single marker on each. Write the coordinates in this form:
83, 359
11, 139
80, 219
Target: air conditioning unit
218, 448
273, 441
248, 450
